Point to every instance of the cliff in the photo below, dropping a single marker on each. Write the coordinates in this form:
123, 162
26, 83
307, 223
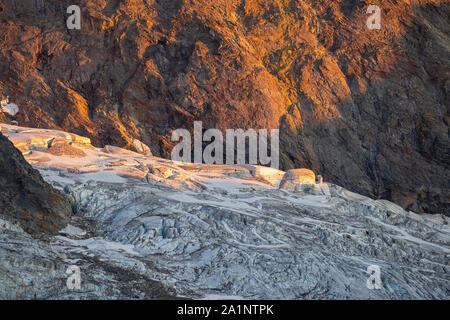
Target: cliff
367, 109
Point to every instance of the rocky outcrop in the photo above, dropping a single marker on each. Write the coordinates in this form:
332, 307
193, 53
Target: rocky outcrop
367, 109
297, 177
25, 198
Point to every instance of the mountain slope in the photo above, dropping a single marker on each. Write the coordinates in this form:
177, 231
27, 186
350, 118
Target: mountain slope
368, 109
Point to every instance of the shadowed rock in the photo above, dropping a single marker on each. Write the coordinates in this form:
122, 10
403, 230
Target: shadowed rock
25, 198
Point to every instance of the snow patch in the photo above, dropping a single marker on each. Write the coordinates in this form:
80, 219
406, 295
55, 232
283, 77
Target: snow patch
9, 108
71, 230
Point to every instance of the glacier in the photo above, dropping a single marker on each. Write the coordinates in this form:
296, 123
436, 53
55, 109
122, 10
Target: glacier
144, 227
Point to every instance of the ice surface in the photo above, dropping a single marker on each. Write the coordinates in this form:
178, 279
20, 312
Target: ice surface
72, 231
217, 232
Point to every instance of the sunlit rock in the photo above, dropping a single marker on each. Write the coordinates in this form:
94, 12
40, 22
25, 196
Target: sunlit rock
297, 177
141, 147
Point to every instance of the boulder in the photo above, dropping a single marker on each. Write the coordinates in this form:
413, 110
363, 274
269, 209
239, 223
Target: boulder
295, 177
141, 147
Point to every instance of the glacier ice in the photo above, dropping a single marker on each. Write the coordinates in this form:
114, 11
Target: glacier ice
146, 227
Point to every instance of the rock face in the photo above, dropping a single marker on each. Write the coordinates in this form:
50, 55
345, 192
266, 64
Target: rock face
367, 109
25, 198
